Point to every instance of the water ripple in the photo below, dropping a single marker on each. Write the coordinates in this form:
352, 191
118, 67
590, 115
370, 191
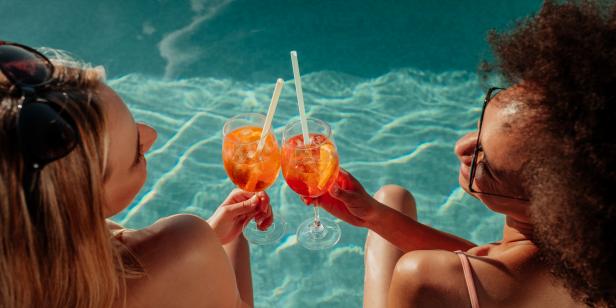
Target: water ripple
397, 128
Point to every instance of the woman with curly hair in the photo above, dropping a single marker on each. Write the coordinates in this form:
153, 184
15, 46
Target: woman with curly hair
544, 155
71, 155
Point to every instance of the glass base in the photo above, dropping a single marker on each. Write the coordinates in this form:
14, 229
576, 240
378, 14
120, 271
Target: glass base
270, 236
323, 236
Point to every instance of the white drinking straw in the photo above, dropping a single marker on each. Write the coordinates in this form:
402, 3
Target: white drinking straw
270, 114
300, 97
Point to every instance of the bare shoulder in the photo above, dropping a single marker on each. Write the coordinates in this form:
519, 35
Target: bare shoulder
172, 240
185, 266
428, 278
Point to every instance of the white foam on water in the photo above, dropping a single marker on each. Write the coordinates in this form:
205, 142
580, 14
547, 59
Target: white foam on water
399, 128
174, 47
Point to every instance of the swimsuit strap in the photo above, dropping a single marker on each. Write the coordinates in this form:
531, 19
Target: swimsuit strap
468, 276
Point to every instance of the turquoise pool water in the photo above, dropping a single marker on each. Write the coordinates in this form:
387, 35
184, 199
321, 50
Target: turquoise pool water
395, 79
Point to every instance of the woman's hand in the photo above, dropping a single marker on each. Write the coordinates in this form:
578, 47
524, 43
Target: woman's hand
348, 200
237, 210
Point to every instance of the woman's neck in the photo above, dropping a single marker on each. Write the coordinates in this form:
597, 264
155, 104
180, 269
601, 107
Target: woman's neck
516, 231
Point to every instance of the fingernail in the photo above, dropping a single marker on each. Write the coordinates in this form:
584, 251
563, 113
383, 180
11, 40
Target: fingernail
335, 189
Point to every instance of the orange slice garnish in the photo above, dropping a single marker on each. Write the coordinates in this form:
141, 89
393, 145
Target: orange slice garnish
327, 164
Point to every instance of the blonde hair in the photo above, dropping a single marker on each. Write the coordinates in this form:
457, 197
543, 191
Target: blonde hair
58, 252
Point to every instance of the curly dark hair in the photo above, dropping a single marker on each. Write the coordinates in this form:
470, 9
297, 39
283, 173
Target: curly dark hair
567, 54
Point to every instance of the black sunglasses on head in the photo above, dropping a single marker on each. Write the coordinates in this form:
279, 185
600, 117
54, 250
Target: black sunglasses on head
44, 130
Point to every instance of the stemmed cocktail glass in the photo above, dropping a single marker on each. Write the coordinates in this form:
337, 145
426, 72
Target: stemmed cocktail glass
252, 170
310, 168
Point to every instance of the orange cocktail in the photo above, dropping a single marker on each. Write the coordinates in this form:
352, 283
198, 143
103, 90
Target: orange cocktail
249, 170
310, 169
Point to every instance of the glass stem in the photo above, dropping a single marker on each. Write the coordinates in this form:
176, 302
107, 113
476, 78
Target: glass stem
317, 220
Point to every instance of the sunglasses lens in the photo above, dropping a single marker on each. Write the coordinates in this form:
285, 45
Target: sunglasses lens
44, 134
24, 67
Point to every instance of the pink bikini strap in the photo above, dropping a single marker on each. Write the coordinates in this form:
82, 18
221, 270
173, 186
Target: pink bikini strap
468, 276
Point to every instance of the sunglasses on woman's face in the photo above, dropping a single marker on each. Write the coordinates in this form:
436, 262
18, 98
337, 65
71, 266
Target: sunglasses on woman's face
45, 131
479, 155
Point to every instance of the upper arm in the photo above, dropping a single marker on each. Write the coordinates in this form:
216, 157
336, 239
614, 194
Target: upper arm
186, 266
215, 282
427, 278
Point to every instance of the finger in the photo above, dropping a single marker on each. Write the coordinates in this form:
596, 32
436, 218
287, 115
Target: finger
259, 219
266, 223
264, 215
307, 200
267, 211
264, 201
270, 211
348, 182
346, 196
264, 197
266, 208
260, 216
244, 207
238, 195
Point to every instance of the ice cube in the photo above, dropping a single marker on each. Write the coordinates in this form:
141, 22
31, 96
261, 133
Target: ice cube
252, 156
307, 165
318, 139
241, 174
242, 155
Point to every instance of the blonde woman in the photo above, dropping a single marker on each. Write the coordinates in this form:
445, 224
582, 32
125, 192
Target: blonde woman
71, 155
